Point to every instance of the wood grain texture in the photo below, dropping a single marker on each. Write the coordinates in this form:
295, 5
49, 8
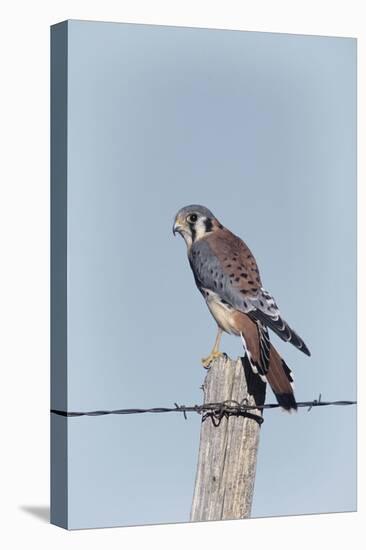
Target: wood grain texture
227, 452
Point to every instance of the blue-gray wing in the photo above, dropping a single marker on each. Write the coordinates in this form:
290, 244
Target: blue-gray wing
222, 263
231, 276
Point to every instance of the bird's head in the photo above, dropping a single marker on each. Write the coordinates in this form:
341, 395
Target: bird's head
194, 222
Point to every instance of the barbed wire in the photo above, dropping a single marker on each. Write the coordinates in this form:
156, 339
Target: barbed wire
216, 411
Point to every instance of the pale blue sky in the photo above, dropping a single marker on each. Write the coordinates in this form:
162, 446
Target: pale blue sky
261, 129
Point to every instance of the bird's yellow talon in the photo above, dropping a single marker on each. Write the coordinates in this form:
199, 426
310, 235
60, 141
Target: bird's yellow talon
206, 361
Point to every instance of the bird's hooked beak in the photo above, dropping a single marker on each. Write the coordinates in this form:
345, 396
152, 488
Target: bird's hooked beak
177, 227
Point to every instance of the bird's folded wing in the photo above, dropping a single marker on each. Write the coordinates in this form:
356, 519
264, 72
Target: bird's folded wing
223, 263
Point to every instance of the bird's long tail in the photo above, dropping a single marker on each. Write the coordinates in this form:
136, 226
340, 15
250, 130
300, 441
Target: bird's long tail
279, 377
265, 361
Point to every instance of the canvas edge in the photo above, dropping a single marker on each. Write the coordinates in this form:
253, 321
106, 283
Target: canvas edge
58, 390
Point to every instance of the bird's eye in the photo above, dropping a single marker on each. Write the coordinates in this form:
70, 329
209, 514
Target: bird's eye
192, 218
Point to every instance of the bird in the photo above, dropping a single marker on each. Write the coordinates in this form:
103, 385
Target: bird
226, 274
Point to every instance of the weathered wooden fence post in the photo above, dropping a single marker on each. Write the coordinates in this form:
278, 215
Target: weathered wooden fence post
228, 451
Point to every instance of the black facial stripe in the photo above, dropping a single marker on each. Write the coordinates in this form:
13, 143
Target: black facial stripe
193, 231
208, 225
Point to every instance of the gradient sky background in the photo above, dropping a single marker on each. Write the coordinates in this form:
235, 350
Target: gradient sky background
260, 128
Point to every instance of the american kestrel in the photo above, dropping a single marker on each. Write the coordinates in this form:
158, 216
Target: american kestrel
228, 278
